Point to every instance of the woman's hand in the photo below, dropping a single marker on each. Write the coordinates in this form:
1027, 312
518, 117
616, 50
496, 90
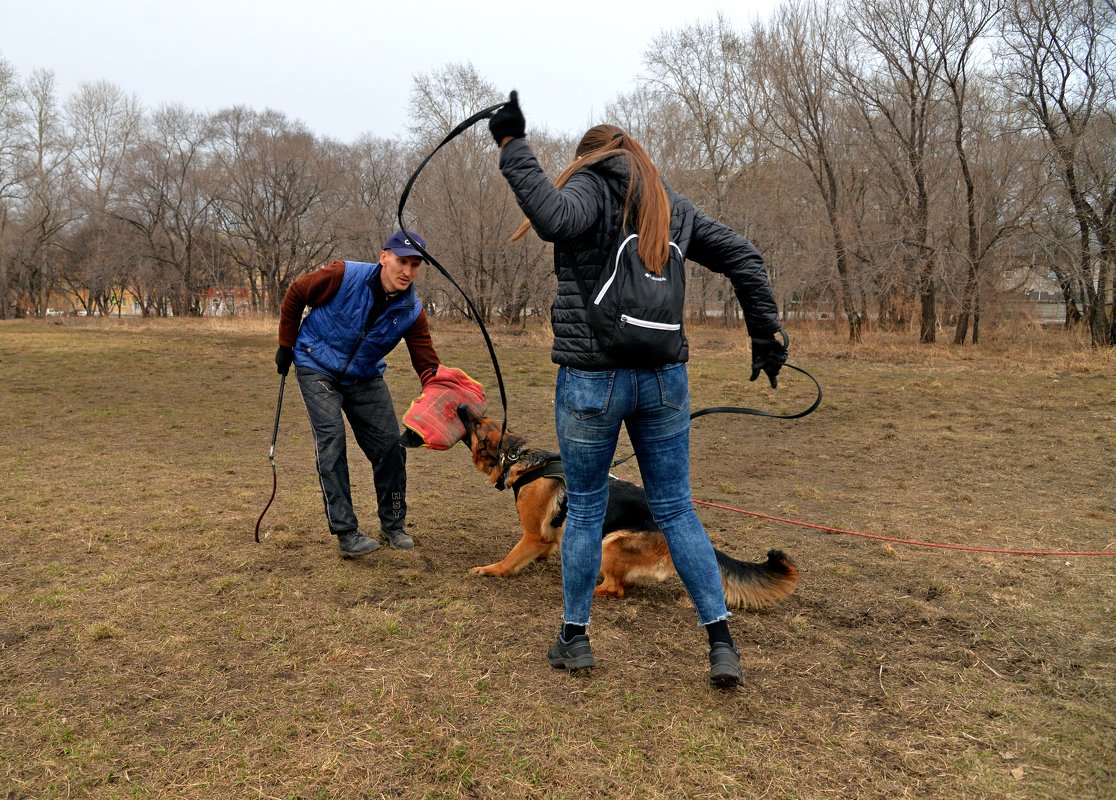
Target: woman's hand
508, 122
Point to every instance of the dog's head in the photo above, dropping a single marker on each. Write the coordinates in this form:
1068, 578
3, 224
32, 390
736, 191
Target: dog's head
493, 454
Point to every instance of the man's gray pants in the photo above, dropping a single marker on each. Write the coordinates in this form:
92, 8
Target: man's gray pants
368, 407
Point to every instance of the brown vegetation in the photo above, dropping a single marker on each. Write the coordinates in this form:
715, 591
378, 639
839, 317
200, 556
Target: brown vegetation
148, 648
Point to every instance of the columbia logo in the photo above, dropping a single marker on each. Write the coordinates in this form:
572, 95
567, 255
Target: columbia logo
659, 278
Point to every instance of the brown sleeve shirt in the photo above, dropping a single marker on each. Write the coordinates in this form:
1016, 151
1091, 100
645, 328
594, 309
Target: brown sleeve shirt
319, 287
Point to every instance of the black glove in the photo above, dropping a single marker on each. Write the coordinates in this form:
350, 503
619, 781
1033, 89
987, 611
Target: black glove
508, 120
283, 358
768, 356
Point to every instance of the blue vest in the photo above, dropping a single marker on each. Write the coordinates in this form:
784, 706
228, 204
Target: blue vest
333, 338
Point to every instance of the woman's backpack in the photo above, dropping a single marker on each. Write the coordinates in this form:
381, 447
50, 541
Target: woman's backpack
634, 314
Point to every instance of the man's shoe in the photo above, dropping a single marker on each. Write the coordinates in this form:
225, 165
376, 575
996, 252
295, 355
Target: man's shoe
724, 666
398, 539
355, 543
573, 655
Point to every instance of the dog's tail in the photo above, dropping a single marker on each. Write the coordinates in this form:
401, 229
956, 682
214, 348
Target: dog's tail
753, 585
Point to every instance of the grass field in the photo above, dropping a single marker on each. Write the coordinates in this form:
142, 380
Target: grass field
149, 648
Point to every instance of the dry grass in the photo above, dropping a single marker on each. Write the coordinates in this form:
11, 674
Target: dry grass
148, 648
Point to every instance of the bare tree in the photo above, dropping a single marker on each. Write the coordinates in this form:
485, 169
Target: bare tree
46, 205
170, 205
11, 147
277, 198
105, 124
695, 67
371, 179
702, 69
463, 205
11, 121
1059, 60
659, 121
958, 28
801, 113
893, 79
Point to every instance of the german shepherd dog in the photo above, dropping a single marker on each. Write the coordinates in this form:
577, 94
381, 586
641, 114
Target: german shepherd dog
633, 549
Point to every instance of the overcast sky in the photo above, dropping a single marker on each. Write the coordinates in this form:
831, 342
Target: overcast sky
346, 67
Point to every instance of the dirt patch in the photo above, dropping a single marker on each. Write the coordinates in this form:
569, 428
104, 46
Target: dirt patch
149, 648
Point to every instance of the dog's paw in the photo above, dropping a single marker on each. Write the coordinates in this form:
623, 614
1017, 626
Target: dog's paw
491, 570
608, 591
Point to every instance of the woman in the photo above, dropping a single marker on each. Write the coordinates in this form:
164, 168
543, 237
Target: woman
596, 391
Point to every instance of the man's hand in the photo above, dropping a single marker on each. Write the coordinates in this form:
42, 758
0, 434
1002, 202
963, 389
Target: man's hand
508, 121
768, 356
284, 356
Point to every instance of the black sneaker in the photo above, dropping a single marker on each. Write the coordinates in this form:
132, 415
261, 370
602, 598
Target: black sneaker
355, 543
398, 539
724, 666
573, 655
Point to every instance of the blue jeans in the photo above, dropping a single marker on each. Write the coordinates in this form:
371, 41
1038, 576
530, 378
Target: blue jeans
654, 405
368, 407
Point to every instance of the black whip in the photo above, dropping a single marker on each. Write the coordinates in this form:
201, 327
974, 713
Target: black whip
457, 131
755, 411
701, 412
271, 455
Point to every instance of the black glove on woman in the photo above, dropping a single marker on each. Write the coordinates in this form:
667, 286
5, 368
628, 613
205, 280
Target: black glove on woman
768, 356
508, 120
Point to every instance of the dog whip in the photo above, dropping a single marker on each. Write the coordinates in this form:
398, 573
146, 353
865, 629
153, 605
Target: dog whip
271, 455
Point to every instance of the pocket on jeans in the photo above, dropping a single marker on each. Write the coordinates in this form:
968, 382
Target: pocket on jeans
585, 394
674, 386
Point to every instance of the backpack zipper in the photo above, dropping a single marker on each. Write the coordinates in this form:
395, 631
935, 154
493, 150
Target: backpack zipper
645, 323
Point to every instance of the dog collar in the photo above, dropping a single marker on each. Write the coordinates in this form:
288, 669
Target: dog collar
507, 461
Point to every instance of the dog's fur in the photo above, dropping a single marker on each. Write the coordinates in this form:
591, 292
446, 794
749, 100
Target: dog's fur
633, 549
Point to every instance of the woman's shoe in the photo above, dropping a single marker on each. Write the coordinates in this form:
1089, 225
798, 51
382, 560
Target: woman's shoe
573, 655
724, 666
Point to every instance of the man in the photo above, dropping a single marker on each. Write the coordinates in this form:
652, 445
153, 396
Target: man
359, 314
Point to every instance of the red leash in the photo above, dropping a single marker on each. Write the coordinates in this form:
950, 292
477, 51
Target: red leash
909, 541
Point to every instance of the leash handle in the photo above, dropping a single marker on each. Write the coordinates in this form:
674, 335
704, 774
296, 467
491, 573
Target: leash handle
271, 455
457, 131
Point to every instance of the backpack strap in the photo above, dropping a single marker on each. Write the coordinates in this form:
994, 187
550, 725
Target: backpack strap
603, 244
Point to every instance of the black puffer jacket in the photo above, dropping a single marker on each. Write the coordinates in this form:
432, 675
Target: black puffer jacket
573, 218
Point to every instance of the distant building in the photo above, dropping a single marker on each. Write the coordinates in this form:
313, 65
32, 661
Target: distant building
1038, 296
227, 302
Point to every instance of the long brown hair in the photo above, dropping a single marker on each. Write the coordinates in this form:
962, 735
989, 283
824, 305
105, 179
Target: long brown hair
645, 190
